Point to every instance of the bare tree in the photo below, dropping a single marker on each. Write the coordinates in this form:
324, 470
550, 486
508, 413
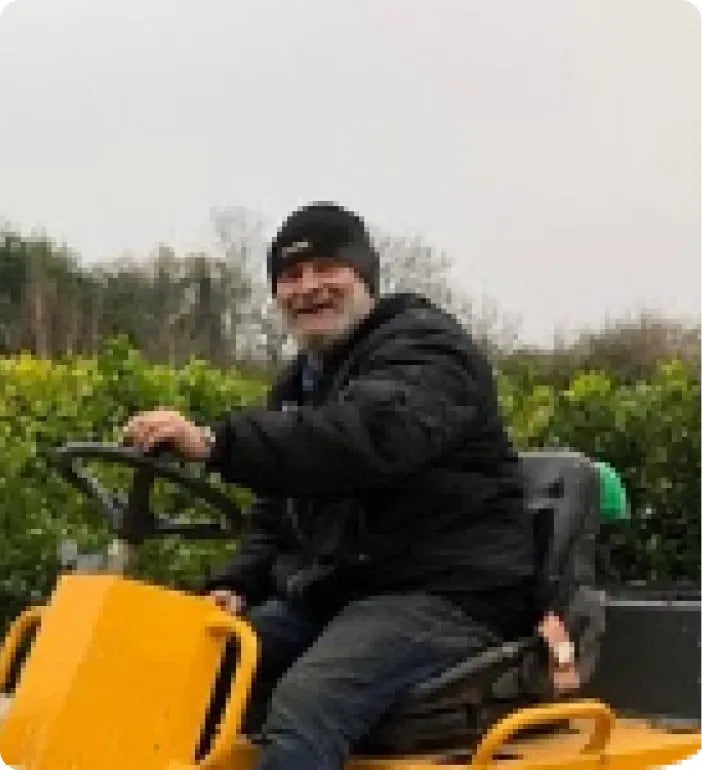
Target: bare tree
217, 305
253, 319
408, 264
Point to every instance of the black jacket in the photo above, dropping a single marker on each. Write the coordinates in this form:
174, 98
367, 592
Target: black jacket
394, 474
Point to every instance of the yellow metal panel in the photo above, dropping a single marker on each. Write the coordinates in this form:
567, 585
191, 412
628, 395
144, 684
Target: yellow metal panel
120, 675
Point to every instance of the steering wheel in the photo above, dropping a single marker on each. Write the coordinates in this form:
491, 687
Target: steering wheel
130, 516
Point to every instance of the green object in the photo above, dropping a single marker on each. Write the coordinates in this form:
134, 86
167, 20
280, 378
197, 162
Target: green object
614, 503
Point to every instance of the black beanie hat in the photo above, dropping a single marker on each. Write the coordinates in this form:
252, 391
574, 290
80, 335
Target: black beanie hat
325, 230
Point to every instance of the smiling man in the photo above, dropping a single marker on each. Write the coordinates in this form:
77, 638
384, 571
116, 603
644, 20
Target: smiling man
389, 540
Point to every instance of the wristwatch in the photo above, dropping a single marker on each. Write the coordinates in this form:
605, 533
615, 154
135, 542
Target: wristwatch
563, 654
210, 439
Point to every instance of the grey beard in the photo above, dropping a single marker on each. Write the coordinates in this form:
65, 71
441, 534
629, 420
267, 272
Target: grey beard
319, 344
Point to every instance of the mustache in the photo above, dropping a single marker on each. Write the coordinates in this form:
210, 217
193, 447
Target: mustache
313, 301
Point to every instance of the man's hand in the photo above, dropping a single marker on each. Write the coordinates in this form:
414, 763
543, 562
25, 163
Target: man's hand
149, 429
229, 601
565, 676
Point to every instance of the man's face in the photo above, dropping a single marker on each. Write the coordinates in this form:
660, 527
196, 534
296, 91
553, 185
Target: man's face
321, 299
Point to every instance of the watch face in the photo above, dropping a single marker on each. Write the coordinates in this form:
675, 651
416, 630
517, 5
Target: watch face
565, 653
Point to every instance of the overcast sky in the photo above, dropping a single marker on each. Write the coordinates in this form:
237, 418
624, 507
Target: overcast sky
551, 147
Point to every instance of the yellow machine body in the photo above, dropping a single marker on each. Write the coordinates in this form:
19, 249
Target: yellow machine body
120, 675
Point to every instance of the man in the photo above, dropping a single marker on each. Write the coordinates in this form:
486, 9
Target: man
389, 540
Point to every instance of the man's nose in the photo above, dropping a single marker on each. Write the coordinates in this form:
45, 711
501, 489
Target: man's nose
309, 278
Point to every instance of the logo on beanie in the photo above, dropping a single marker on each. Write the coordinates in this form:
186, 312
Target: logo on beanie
296, 248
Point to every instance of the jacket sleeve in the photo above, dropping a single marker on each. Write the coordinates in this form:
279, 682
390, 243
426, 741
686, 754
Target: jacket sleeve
413, 400
249, 571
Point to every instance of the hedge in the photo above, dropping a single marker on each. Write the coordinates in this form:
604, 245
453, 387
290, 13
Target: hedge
44, 404
649, 431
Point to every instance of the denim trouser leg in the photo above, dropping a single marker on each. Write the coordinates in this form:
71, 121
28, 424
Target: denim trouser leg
371, 652
284, 633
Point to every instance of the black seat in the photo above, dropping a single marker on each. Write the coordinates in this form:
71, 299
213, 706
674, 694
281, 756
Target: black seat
453, 709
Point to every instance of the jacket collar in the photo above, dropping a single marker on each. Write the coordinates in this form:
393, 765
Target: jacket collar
385, 309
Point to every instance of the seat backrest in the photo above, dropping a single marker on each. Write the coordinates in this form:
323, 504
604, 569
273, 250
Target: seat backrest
453, 709
562, 493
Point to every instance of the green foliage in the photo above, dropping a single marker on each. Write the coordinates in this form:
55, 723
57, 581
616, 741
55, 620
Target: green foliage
45, 404
648, 430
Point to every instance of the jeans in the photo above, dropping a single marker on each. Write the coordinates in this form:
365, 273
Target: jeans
321, 687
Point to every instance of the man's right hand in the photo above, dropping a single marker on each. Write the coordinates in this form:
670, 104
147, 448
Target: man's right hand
229, 601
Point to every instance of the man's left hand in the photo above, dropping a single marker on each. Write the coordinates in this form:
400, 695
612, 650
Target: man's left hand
565, 676
163, 426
